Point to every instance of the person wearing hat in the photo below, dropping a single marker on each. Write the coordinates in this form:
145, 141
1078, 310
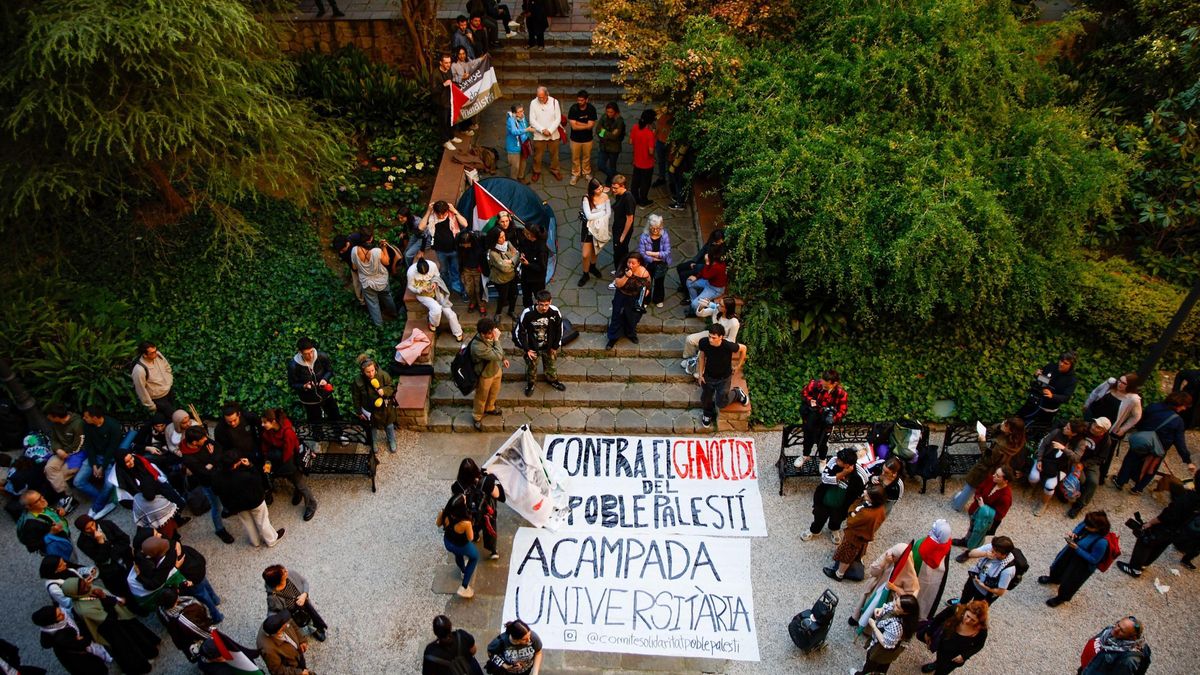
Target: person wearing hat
283, 645
310, 373
1095, 460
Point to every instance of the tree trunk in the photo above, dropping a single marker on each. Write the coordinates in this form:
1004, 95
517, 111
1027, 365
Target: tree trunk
22, 398
174, 201
415, 11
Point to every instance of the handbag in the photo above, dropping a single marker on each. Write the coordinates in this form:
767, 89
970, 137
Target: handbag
1148, 442
562, 130
639, 305
304, 458
526, 148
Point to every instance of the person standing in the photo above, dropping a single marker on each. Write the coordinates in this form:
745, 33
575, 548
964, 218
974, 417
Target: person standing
1164, 421
131, 644
517, 133
995, 492
1053, 386
162, 564
537, 22
516, 651
373, 392
718, 360
425, 282
445, 222
470, 269
490, 363
481, 35
842, 483
310, 375
287, 590
888, 628
535, 257
1120, 649
281, 450
1086, 546
77, 652
631, 287
458, 536
452, 650
990, 576
108, 546
655, 247
282, 645
662, 140
153, 380
200, 461
538, 334
102, 437
824, 405
863, 521
66, 444
624, 209
483, 490
332, 5
439, 89
1168, 527
596, 215
956, 634
186, 619
503, 257
372, 266
582, 117
240, 487
642, 140
611, 134
917, 567
545, 118
462, 37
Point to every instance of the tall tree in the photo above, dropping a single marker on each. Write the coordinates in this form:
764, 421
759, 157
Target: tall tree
107, 101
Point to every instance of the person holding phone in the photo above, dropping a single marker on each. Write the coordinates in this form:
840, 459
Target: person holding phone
629, 300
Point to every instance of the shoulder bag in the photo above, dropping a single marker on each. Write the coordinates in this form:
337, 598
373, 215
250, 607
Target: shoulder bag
1148, 442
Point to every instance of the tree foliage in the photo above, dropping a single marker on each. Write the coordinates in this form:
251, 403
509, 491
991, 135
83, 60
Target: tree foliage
903, 159
105, 101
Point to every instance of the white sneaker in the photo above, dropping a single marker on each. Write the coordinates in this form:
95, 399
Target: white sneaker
456, 139
449, 146
104, 511
465, 592
514, 25
612, 286
807, 536
799, 463
469, 132
574, 180
836, 536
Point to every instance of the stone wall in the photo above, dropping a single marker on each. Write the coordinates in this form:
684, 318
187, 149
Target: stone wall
384, 40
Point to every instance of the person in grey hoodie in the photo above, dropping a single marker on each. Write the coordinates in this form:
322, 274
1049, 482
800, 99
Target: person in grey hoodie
309, 374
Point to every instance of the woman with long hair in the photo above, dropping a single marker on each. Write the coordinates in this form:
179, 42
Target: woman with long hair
482, 490
535, 258
1075, 563
889, 627
628, 302
596, 214
955, 635
458, 536
281, 448
1007, 441
1057, 454
502, 260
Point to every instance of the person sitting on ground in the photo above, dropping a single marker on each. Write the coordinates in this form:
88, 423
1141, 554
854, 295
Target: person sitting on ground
108, 547
1058, 453
1053, 386
426, 284
842, 483
718, 360
709, 282
452, 650
1164, 419
288, 590
725, 313
990, 576
1120, 649
102, 437
42, 528
66, 442
995, 492
538, 333
862, 522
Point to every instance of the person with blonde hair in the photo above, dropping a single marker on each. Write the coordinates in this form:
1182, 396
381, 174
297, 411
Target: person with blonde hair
956, 634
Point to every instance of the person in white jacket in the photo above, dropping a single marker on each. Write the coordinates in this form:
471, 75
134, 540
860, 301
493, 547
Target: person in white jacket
597, 220
1117, 399
545, 117
423, 282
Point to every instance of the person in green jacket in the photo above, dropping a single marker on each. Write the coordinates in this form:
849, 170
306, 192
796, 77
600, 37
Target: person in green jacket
488, 357
611, 133
372, 391
101, 439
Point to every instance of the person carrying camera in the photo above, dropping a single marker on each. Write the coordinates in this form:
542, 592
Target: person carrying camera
309, 375
1053, 384
824, 406
1175, 525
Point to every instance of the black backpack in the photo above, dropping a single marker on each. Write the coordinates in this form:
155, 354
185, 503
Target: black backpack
459, 665
1022, 566
462, 369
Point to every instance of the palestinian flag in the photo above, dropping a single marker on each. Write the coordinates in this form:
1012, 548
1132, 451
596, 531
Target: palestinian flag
220, 648
487, 207
479, 88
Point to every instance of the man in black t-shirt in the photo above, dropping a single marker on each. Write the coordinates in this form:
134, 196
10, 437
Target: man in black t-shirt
716, 365
624, 207
582, 118
452, 652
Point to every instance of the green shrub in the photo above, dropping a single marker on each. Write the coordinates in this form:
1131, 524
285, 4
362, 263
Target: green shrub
370, 96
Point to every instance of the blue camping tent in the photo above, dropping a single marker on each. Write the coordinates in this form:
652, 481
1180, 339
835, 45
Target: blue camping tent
525, 204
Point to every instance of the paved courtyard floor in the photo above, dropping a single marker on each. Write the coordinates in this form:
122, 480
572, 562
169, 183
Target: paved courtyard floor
380, 574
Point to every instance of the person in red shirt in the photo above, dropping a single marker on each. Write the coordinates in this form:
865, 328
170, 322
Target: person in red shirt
825, 404
642, 139
709, 282
995, 492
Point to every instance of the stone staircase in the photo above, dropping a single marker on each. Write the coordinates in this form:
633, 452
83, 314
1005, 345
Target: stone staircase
632, 389
566, 66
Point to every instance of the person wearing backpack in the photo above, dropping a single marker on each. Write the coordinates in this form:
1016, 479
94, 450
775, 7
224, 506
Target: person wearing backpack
1168, 527
1160, 429
995, 572
451, 653
488, 358
1088, 546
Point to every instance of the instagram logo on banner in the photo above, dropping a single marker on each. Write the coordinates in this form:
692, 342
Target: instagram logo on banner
569, 635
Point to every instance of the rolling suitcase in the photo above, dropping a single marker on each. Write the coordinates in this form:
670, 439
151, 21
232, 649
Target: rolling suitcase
810, 627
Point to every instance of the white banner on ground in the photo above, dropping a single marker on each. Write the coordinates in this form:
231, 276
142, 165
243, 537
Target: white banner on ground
705, 486
532, 486
634, 592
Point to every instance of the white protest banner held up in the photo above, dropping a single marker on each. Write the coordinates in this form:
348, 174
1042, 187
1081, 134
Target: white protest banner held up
705, 486
532, 486
634, 592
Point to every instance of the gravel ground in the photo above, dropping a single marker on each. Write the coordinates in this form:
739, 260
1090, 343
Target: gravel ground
374, 558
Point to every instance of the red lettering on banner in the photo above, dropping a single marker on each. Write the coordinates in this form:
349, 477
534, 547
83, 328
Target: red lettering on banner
720, 459
680, 472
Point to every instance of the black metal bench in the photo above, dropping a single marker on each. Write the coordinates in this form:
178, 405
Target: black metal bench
965, 437
350, 448
793, 437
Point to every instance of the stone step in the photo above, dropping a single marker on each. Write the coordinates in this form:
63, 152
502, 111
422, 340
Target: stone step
596, 420
586, 65
589, 344
595, 370
668, 319
637, 395
598, 85
513, 52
